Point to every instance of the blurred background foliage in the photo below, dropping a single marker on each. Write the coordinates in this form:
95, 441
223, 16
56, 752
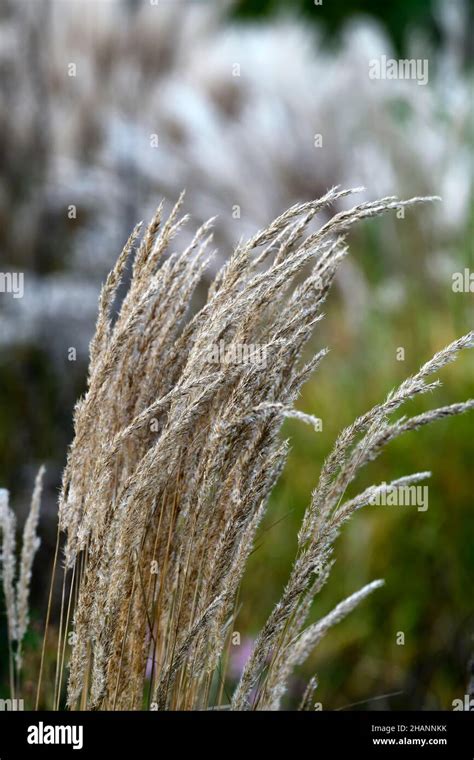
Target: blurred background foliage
398, 17
62, 148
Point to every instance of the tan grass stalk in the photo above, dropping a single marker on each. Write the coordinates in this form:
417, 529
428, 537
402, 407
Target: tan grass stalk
176, 451
29, 547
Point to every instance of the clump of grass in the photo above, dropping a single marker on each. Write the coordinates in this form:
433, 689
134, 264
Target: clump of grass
174, 457
16, 592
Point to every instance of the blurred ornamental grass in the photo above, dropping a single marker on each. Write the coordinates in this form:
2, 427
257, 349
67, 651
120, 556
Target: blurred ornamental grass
231, 113
173, 461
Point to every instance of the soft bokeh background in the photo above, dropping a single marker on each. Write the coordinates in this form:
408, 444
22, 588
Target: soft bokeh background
156, 107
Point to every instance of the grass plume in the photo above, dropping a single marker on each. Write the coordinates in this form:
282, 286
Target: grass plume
175, 454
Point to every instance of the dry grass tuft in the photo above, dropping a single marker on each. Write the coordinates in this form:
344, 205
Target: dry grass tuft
176, 452
17, 594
